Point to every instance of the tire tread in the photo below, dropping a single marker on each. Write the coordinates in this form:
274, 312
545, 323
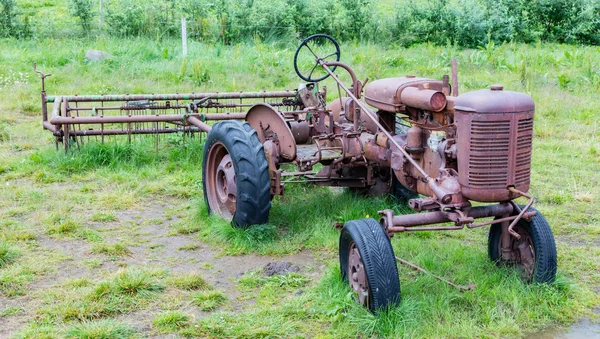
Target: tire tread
251, 167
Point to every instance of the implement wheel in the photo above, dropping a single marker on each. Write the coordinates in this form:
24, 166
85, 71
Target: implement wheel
534, 254
235, 174
368, 264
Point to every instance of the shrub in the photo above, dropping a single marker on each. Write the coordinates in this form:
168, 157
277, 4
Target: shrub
82, 9
8, 254
7, 17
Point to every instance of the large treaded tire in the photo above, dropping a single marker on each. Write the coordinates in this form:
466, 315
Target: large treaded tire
251, 168
378, 258
543, 244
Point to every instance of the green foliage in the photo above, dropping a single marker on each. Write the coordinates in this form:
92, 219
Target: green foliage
103, 217
100, 329
209, 300
10, 24
466, 23
189, 282
142, 18
129, 283
95, 155
359, 14
116, 250
170, 321
8, 254
472, 23
82, 9
61, 225
7, 18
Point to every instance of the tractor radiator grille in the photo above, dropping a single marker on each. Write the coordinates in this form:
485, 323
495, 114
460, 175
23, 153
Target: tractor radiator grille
523, 153
491, 150
488, 163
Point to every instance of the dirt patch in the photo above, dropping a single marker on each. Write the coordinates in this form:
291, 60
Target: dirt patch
279, 267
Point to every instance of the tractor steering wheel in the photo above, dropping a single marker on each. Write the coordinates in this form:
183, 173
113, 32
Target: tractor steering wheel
306, 59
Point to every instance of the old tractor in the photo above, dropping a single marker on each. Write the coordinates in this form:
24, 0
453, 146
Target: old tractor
414, 137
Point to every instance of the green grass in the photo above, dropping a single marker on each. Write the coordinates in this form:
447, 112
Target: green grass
103, 217
189, 282
209, 300
170, 321
189, 247
126, 291
8, 254
116, 250
131, 282
48, 197
100, 329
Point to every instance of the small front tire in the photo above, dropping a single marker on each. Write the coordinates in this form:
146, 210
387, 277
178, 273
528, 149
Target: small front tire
368, 264
535, 250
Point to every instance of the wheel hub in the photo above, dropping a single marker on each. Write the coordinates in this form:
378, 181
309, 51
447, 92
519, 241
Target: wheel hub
225, 183
357, 275
221, 187
522, 253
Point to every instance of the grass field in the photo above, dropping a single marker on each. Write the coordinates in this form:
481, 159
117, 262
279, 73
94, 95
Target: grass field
113, 241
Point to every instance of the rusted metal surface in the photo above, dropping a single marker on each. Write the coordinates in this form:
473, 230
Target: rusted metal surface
520, 252
220, 182
270, 124
425, 98
177, 96
454, 78
521, 212
150, 131
74, 117
495, 131
357, 275
386, 94
196, 122
461, 218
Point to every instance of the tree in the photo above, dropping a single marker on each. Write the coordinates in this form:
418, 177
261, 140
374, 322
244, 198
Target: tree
82, 9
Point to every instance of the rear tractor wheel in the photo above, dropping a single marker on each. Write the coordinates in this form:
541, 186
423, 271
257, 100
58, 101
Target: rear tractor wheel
368, 264
534, 254
235, 174
401, 192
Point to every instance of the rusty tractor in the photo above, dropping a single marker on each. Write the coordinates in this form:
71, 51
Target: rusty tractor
413, 137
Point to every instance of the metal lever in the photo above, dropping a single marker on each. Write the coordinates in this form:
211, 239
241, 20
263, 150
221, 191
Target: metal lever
42, 75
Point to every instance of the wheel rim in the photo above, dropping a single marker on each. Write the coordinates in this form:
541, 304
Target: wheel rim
357, 276
221, 181
522, 253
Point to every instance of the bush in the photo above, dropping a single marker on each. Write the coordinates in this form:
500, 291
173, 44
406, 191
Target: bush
472, 23
7, 18
10, 25
465, 23
142, 18
82, 9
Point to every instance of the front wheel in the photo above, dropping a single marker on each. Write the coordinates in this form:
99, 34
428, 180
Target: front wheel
368, 264
534, 254
235, 174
